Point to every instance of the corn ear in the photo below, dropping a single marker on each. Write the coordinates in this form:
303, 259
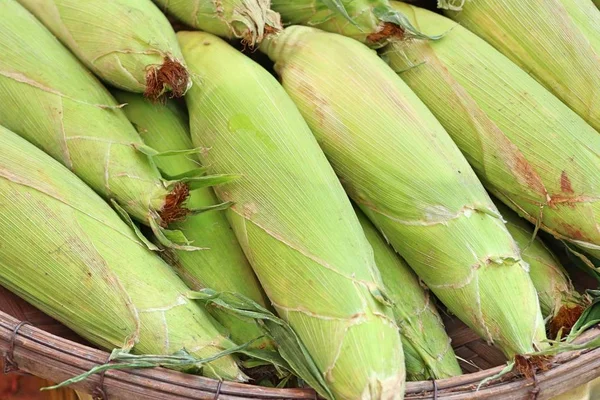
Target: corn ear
373, 22
400, 166
556, 41
558, 298
529, 149
293, 220
55, 103
68, 253
221, 265
427, 350
129, 44
248, 20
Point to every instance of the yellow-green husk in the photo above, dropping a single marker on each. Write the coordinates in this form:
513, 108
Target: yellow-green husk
293, 220
248, 20
221, 264
121, 41
528, 148
51, 100
556, 41
399, 165
427, 350
68, 253
549, 277
372, 22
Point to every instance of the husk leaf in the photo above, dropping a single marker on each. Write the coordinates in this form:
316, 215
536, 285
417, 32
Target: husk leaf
400, 166
372, 22
249, 20
427, 350
528, 148
223, 266
556, 41
51, 100
129, 44
293, 220
553, 285
69, 254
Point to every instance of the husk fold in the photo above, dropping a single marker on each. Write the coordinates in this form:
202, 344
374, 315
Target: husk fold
294, 221
556, 41
221, 264
558, 297
372, 22
249, 20
528, 148
129, 44
68, 253
427, 350
50, 99
397, 162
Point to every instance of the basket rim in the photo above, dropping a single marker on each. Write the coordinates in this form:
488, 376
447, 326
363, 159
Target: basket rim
49, 356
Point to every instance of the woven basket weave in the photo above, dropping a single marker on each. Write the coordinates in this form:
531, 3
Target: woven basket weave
47, 349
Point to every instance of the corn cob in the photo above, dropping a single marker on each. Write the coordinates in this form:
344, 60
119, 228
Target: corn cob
427, 351
222, 265
373, 22
65, 251
51, 100
556, 41
293, 220
130, 44
248, 20
558, 298
529, 149
400, 166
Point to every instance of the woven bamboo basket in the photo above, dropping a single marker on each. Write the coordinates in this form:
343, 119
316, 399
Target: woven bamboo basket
31, 342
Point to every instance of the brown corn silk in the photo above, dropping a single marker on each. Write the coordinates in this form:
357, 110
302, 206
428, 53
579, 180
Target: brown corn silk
129, 44
372, 22
556, 41
555, 290
68, 253
396, 161
248, 20
51, 100
221, 264
293, 220
427, 350
529, 149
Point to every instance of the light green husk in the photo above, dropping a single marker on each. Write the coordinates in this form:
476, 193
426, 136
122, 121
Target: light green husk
68, 253
427, 350
51, 100
397, 162
549, 277
373, 22
221, 265
248, 20
294, 221
528, 148
556, 41
124, 42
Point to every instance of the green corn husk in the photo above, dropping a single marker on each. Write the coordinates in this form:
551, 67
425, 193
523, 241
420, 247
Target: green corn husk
529, 149
129, 44
555, 290
427, 350
51, 100
373, 22
597, 3
248, 20
68, 253
556, 41
293, 220
222, 265
400, 166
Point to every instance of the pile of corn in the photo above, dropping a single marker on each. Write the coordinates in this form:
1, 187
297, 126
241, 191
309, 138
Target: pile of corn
310, 215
